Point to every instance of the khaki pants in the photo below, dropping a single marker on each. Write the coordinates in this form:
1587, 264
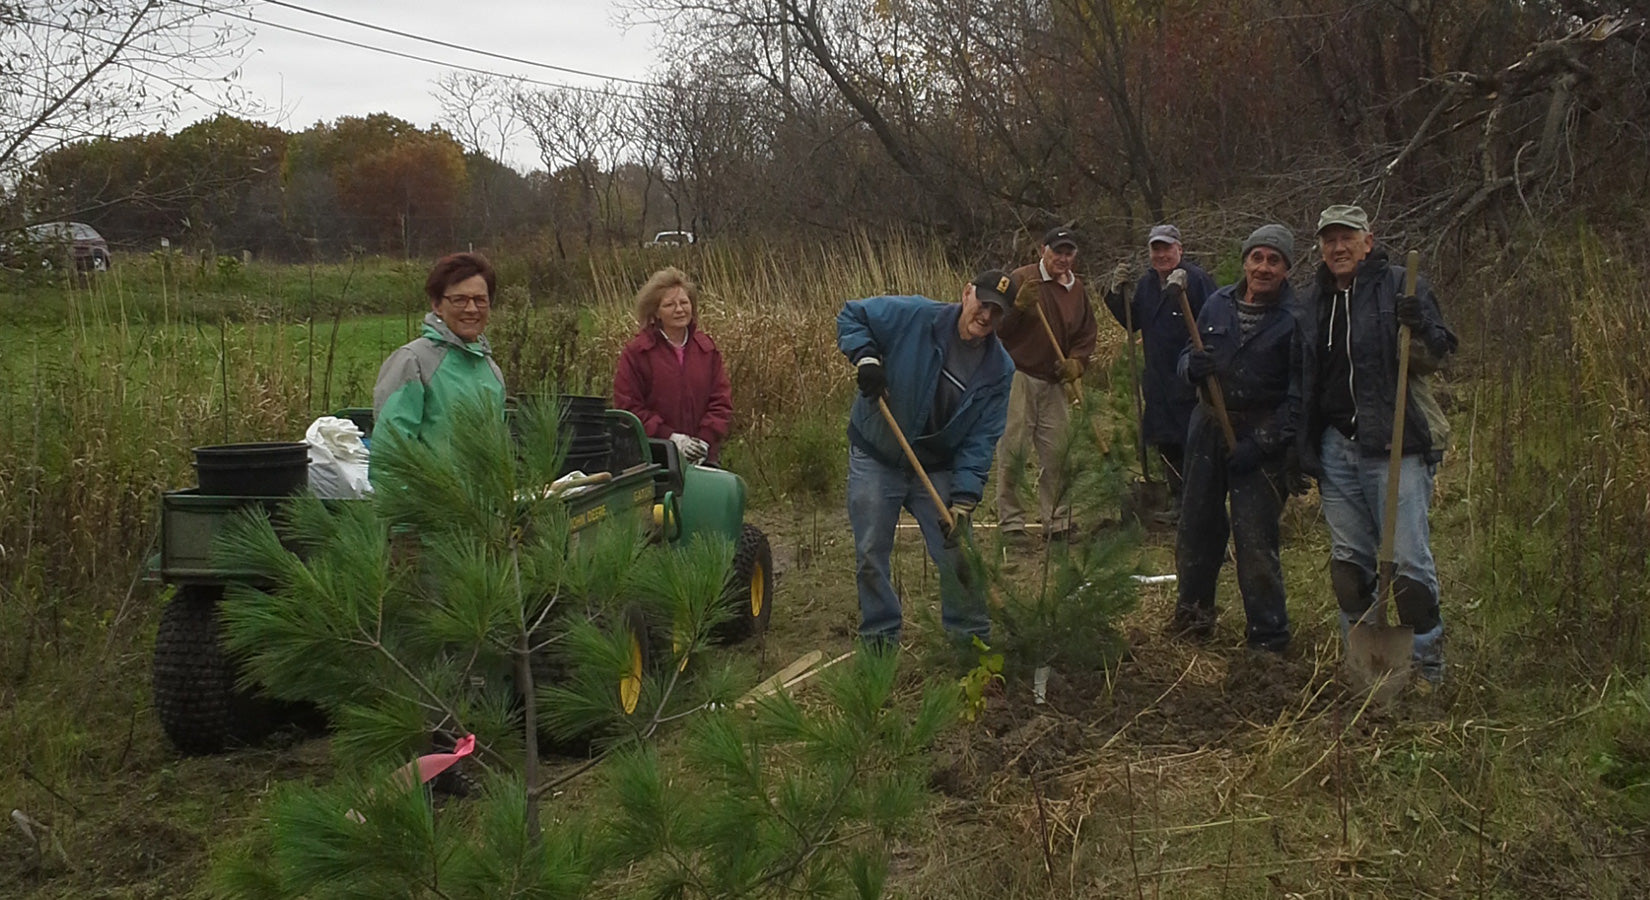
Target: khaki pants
1038, 414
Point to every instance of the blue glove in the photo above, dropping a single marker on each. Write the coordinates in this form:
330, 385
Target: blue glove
1246, 457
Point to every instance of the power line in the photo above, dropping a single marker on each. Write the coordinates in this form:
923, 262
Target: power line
451, 46
411, 56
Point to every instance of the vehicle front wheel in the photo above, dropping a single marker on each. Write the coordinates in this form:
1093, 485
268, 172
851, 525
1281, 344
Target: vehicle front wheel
749, 593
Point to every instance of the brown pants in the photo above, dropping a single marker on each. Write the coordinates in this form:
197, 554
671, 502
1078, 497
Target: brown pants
1038, 415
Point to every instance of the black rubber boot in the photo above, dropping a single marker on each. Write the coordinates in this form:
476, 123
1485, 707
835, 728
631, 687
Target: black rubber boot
1354, 587
1417, 606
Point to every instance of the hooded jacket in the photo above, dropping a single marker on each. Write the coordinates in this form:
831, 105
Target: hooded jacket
1169, 400
1373, 348
692, 396
422, 380
909, 335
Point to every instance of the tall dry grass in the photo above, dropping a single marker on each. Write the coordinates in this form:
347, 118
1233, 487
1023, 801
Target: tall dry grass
1555, 423
771, 308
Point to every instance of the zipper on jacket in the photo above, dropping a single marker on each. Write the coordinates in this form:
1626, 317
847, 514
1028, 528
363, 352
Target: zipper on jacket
1351, 371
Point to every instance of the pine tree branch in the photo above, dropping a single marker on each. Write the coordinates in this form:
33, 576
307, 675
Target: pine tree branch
658, 711
368, 640
538, 621
819, 839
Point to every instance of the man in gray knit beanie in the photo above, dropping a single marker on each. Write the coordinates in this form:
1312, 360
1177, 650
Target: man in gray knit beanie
1275, 236
1237, 488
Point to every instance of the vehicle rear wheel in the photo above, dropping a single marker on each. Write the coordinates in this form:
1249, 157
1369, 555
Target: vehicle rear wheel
195, 696
749, 592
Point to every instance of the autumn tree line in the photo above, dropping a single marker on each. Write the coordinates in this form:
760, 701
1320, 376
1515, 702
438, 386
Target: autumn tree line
984, 120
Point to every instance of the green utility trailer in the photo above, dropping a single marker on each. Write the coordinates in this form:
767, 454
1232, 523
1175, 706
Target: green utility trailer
202, 710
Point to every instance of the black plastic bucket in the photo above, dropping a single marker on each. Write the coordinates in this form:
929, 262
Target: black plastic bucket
273, 469
584, 431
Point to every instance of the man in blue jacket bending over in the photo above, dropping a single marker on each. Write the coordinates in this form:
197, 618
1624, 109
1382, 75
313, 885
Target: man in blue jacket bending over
945, 376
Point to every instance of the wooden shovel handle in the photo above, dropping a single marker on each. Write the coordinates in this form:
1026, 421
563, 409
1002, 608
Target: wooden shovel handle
1134, 373
1395, 456
598, 478
911, 457
1073, 393
1217, 397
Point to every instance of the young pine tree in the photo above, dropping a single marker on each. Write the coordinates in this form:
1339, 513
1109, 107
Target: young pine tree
459, 601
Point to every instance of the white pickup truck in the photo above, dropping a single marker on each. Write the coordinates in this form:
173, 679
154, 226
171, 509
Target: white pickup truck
671, 239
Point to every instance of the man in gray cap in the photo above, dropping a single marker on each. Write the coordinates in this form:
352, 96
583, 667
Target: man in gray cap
1168, 399
1349, 321
1248, 333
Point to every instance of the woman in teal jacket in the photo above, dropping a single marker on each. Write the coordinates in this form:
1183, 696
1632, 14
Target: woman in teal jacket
421, 382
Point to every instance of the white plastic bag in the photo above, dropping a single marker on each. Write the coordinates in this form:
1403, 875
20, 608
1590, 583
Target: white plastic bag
337, 459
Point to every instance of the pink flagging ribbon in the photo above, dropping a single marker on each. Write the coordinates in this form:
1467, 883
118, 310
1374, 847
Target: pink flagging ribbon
427, 766
433, 764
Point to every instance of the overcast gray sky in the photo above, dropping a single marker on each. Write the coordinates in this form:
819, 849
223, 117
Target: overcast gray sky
305, 79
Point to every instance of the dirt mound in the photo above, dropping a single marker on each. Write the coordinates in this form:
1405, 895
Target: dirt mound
1168, 697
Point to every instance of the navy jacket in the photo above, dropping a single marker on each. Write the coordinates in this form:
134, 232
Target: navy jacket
1259, 374
1374, 350
1169, 401
909, 335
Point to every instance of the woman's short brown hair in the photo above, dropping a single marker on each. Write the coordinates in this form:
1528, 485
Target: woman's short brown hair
455, 267
661, 282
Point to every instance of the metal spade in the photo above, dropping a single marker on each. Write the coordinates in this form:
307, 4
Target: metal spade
1379, 655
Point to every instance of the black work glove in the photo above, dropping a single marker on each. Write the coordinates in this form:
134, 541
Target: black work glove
1200, 364
1246, 457
873, 381
1409, 312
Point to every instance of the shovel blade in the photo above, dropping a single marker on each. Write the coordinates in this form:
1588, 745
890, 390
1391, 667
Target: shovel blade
1378, 658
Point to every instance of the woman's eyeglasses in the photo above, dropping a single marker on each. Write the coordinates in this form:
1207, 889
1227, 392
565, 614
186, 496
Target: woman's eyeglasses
461, 301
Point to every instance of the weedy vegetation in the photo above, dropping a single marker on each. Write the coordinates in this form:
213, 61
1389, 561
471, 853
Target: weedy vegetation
1151, 767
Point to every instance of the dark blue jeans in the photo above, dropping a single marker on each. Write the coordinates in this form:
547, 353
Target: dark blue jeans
1256, 502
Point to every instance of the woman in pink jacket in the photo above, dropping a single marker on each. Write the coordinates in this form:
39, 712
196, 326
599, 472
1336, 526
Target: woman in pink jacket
670, 374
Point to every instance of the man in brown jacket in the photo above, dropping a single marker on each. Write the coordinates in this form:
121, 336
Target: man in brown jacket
1037, 405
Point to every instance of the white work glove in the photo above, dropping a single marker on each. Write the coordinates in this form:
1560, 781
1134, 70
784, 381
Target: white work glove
691, 449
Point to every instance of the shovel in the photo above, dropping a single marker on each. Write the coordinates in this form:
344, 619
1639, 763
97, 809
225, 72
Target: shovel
1217, 397
1073, 389
911, 457
1378, 655
963, 574
1134, 373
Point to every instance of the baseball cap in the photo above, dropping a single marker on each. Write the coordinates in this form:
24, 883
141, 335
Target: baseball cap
1058, 236
1163, 234
996, 287
1351, 216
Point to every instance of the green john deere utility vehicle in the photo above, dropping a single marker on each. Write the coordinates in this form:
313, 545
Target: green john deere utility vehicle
200, 706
